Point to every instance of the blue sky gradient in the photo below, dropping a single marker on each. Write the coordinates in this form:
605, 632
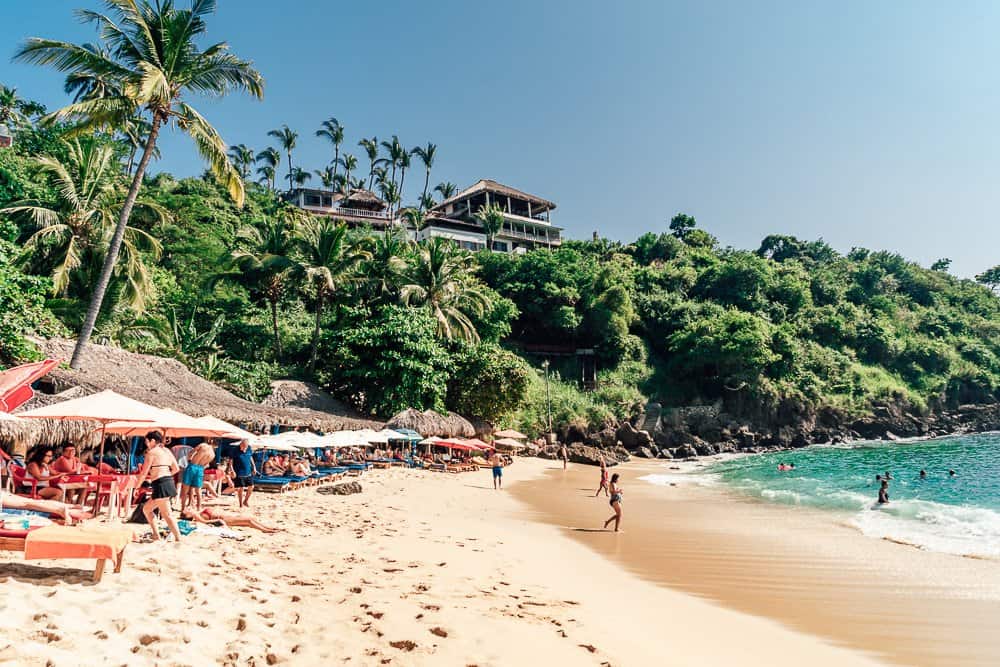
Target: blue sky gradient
866, 124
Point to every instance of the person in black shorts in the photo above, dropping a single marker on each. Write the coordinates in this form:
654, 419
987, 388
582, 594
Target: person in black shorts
243, 471
159, 467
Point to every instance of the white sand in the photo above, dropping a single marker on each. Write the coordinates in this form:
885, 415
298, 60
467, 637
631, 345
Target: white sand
414, 554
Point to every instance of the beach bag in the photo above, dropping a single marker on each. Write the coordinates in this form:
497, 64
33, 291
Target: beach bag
137, 515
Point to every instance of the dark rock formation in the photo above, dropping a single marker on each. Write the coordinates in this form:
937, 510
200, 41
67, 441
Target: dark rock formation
341, 489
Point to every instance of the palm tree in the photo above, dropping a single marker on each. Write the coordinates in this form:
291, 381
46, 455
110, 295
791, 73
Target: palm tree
12, 107
491, 218
326, 177
154, 58
427, 202
404, 164
298, 177
267, 175
333, 131
90, 85
440, 280
243, 158
416, 217
267, 265
426, 155
135, 130
329, 262
390, 194
286, 138
72, 235
394, 150
371, 148
446, 189
349, 163
271, 158
380, 176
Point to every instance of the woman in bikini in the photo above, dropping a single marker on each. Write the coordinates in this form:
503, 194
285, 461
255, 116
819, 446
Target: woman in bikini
225, 519
615, 502
159, 467
38, 469
604, 479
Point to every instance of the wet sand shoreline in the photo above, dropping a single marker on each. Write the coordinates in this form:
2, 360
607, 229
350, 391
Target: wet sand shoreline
804, 568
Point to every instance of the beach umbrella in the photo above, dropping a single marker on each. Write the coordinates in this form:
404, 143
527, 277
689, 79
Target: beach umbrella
507, 443
171, 422
510, 434
233, 432
271, 442
15, 383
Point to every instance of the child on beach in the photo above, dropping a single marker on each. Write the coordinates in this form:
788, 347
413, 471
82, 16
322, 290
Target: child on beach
615, 502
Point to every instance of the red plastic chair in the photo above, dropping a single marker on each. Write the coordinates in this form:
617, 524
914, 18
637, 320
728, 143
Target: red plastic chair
102, 487
22, 481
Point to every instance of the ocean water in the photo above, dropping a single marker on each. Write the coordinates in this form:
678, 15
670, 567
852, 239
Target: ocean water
959, 514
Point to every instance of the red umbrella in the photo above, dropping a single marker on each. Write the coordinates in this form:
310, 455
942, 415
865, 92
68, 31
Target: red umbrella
15, 383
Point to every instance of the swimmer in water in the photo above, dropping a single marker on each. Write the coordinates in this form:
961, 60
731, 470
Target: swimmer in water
951, 473
923, 474
888, 475
883, 493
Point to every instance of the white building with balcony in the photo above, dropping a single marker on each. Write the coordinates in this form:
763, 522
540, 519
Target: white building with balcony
359, 207
526, 219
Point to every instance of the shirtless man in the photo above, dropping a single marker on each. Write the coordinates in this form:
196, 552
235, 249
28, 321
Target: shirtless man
497, 462
193, 477
69, 464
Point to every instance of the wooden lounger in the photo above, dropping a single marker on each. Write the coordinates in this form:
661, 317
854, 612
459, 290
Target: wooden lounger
52, 542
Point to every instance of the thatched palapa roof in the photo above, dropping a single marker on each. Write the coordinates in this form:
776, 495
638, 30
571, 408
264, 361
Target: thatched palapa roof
491, 186
430, 423
363, 199
20, 435
297, 395
167, 383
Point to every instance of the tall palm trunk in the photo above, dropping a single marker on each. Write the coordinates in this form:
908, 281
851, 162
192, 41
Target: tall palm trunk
371, 175
94, 309
402, 176
315, 341
289, 170
274, 324
427, 180
336, 161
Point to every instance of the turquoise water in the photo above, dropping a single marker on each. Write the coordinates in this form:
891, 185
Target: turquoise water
959, 514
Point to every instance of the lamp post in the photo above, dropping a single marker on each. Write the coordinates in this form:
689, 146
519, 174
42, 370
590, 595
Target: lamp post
548, 403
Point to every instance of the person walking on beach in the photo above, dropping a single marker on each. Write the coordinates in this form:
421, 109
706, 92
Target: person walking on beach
564, 453
193, 477
615, 502
243, 471
497, 462
159, 466
604, 479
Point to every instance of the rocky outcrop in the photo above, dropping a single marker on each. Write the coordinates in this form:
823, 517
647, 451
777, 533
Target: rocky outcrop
592, 455
341, 489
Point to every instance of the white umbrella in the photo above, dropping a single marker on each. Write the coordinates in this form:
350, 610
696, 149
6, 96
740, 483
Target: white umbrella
232, 432
176, 424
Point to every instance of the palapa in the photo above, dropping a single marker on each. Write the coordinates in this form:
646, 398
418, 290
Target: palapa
430, 423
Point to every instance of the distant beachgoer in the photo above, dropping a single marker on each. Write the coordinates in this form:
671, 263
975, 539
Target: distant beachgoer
923, 474
564, 453
951, 473
782, 467
226, 519
883, 493
878, 479
791, 466
243, 471
615, 502
496, 460
159, 466
38, 469
604, 479
888, 475
69, 513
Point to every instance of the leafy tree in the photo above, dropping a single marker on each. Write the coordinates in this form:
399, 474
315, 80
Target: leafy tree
270, 159
22, 300
349, 163
942, 264
153, 56
487, 382
386, 361
682, 224
384, 271
445, 189
371, 150
990, 278
243, 159
440, 280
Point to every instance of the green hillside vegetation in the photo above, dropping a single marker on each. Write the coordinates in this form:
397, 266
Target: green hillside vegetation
219, 272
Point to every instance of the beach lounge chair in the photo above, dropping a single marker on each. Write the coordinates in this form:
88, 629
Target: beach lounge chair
51, 542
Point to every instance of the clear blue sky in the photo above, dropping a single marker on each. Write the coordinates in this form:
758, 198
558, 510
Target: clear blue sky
866, 124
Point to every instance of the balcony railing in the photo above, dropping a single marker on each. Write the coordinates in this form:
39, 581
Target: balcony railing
537, 238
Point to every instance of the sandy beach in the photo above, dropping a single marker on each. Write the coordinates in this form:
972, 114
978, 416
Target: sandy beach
808, 569
419, 569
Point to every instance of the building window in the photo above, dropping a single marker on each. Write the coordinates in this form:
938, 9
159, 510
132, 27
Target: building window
314, 200
328, 202
500, 246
